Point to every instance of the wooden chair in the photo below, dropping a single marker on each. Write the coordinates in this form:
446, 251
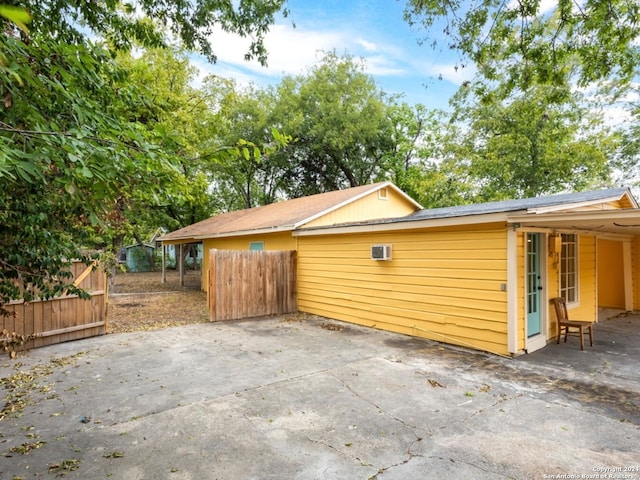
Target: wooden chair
562, 317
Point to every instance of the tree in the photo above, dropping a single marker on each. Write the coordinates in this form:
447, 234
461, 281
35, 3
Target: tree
530, 45
179, 116
418, 165
540, 142
627, 162
65, 153
69, 158
250, 173
154, 23
338, 119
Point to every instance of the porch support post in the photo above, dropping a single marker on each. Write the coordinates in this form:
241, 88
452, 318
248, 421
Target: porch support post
164, 264
181, 264
628, 276
512, 291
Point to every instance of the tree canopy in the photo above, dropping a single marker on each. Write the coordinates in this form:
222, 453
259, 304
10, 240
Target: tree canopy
338, 117
82, 137
530, 41
539, 142
155, 23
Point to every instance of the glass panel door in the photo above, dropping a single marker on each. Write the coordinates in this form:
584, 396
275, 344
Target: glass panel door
534, 285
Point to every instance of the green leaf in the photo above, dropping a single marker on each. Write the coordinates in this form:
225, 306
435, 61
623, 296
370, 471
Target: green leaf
86, 172
17, 15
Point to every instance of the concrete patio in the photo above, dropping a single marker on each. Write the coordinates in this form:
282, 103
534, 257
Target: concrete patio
307, 398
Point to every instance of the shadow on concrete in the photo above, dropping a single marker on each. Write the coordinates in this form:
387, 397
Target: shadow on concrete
606, 373
616, 350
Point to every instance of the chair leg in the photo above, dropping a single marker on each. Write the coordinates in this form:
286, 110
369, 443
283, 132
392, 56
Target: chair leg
591, 335
581, 337
559, 334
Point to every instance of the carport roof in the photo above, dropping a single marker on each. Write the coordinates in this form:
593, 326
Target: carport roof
592, 211
565, 201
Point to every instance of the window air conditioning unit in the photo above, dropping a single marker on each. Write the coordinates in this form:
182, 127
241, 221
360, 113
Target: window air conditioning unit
381, 252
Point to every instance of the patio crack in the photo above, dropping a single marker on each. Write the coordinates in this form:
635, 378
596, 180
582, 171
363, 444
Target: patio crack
376, 406
410, 456
337, 450
412, 428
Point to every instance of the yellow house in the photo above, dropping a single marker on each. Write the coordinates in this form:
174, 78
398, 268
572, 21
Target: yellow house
270, 227
479, 276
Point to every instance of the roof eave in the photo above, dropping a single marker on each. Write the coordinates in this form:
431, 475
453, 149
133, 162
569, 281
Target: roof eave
177, 240
240, 233
614, 214
405, 224
588, 203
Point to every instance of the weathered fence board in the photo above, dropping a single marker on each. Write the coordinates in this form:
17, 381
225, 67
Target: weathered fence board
246, 284
64, 318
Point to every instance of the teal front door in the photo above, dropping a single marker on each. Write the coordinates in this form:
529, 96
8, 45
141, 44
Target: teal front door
534, 285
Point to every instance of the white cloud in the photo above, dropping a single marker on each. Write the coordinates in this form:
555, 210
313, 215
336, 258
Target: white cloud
368, 46
290, 50
397, 63
382, 65
205, 68
545, 7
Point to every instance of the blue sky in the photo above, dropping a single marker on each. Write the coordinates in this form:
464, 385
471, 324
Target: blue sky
373, 30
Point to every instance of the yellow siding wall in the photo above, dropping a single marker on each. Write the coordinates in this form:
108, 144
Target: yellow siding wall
635, 262
443, 285
371, 207
553, 290
610, 274
272, 241
522, 285
588, 308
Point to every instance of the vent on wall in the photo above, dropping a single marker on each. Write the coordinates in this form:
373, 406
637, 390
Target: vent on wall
381, 252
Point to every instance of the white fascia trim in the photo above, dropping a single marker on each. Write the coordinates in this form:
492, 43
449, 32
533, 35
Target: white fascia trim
570, 206
592, 215
406, 197
358, 197
404, 225
241, 233
179, 241
631, 197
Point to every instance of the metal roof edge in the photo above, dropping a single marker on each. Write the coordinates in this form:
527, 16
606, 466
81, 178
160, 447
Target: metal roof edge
403, 223
613, 214
585, 203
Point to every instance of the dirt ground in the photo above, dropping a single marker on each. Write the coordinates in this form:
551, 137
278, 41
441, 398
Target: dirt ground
140, 301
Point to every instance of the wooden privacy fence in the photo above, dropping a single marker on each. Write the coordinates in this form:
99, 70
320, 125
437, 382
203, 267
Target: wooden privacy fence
63, 318
246, 284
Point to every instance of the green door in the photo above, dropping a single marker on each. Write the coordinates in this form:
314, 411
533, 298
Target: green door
534, 285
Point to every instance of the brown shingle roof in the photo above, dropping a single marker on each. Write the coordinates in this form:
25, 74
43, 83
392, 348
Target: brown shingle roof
275, 217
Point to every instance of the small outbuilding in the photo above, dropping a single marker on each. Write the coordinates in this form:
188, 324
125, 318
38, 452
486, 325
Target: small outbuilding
479, 276
139, 257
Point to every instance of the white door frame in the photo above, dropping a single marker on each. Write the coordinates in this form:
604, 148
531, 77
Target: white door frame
538, 341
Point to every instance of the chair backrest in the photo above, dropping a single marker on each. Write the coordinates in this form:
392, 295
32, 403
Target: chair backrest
561, 309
